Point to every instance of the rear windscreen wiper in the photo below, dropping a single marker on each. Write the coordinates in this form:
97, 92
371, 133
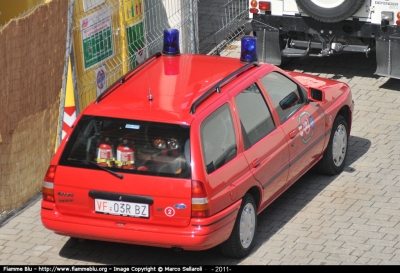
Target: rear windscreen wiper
120, 176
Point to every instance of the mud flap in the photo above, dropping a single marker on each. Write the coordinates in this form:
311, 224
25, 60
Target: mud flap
268, 45
248, 28
388, 57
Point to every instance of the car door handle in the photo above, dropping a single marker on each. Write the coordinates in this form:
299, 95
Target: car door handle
255, 163
292, 134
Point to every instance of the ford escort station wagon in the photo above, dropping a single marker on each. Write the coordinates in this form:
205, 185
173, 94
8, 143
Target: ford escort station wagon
185, 150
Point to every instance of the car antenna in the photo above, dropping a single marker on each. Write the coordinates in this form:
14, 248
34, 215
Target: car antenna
149, 94
217, 50
216, 45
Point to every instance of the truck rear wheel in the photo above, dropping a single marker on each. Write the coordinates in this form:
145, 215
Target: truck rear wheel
330, 11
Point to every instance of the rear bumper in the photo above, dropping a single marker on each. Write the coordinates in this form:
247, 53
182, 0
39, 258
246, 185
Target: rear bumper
200, 234
350, 28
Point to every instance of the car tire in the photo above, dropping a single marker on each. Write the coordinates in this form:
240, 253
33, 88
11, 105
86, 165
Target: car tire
335, 154
241, 240
329, 11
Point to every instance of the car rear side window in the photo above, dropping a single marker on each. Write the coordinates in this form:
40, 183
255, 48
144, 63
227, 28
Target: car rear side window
218, 139
255, 117
284, 94
129, 146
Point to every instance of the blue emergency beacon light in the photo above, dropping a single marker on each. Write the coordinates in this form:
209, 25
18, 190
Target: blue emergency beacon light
248, 51
171, 42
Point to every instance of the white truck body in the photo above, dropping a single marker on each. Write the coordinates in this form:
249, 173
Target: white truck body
370, 12
300, 28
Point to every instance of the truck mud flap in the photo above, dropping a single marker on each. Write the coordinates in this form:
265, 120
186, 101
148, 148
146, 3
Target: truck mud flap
268, 45
388, 57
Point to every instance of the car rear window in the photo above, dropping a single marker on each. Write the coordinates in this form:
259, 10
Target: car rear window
129, 146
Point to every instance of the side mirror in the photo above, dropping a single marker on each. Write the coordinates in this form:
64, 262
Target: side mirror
289, 101
315, 95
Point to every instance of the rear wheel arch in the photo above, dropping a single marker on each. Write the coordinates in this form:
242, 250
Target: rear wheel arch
241, 239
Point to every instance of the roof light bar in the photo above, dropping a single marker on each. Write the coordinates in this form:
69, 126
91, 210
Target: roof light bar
171, 42
248, 49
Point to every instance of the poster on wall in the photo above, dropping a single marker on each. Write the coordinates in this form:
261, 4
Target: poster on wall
101, 79
97, 40
134, 21
91, 4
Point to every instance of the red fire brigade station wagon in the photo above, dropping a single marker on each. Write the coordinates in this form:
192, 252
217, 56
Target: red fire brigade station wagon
185, 150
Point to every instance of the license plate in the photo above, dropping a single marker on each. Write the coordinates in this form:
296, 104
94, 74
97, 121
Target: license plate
121, 208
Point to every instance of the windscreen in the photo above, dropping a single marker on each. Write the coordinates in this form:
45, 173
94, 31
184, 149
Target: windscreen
129, 146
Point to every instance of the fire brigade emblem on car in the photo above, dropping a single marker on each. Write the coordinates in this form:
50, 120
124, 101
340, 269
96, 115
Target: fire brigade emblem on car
306, 126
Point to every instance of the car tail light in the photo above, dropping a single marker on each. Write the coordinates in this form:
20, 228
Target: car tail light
48, 184
264, 5
398, 19
200, 206
253, 4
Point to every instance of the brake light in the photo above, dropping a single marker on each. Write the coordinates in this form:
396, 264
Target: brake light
254, 10
264, 5
48, 184
200, 206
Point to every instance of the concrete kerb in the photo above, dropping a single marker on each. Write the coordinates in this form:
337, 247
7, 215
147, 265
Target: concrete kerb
14, 213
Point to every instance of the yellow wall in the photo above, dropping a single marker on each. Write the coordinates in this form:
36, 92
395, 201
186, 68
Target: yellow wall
11, 9
86, 83
116, 65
